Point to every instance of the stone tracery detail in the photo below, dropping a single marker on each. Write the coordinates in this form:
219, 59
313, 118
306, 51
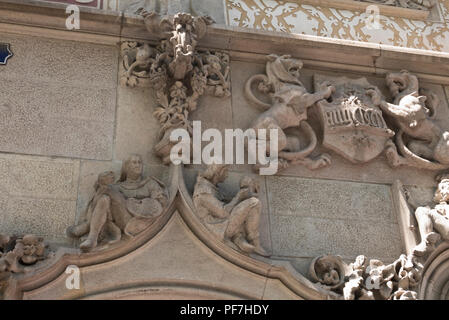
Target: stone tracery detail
178, 72
235, 222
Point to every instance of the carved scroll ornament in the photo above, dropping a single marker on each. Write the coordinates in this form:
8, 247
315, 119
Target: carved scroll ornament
178, 72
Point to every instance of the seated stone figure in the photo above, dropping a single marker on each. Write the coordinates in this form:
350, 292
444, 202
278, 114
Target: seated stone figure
128, 206
236, 221
436, 219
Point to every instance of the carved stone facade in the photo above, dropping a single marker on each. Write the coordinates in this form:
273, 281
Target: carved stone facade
362, 141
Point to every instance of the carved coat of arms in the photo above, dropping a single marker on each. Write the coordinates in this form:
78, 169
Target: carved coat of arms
352, 125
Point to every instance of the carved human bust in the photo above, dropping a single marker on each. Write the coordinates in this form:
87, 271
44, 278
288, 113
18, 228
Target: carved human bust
128, 206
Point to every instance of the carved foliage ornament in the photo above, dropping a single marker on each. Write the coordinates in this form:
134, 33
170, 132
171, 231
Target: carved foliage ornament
16, 254
368, 280
178, 72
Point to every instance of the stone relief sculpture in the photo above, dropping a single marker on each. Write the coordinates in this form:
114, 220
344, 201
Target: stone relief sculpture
368, 280
433, 223
287, 109
178, 72
235, 222
128, 206
410, 4
372, 279
18, 253
419, 141
353, 126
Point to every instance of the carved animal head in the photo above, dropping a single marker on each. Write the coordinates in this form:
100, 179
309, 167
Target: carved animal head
401, 82
284, 68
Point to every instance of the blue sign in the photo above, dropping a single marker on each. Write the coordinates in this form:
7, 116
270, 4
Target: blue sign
5, 53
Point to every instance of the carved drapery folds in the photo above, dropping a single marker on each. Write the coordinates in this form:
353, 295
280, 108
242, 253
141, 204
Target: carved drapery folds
410, 4
16, 253
127, 206
178, 72
235, 222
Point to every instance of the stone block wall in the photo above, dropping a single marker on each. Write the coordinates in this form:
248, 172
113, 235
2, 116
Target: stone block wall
65, 118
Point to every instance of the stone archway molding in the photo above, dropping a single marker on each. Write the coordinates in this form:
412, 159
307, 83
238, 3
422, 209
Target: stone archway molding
180, 211
435, 281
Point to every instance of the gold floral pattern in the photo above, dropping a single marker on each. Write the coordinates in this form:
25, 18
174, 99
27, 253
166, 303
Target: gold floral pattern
292, 17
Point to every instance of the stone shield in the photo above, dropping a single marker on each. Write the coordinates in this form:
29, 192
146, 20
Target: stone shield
352, 126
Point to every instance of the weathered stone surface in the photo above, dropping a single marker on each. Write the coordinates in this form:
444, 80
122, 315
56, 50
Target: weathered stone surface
313, 217
137, 130
309, 237
37, 177
44, 217
38, 195
58, 61
63, 108
329, 199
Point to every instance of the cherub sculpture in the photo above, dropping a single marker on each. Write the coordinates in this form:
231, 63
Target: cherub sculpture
433, 224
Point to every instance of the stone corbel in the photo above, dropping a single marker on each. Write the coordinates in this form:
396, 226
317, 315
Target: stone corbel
178, 72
